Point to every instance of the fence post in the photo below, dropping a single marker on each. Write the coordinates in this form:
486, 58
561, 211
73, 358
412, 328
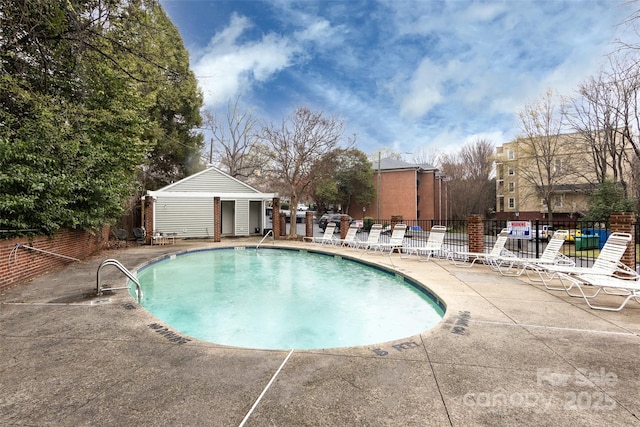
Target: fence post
622, 222
536, 240
308, 230
476, 233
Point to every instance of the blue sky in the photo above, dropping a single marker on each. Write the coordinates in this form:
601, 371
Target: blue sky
413, 76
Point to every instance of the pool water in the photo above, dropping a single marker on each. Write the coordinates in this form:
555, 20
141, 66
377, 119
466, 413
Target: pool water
283, 299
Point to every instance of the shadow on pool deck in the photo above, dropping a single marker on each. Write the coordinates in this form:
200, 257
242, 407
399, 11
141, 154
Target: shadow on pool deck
506, 353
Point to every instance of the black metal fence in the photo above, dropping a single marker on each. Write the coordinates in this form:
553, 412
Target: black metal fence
583, 244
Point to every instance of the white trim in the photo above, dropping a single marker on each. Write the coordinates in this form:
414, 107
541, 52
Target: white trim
203, 172
223, 196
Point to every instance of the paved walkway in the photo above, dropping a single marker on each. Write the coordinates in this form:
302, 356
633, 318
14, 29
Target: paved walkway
507, 353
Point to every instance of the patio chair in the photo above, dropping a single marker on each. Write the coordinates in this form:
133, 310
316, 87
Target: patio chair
610, 285
121, 237
374, 237
326, 238
462, 258
433, 245
140, 234
395, 243
515, 266
349, 239
606, 264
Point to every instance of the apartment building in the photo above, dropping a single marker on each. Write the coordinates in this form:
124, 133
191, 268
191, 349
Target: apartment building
562, 169
413, 191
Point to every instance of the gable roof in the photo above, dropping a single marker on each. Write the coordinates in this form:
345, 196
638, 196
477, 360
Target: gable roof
388, 164
208, 183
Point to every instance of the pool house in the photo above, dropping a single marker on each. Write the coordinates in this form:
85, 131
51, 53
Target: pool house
202, 204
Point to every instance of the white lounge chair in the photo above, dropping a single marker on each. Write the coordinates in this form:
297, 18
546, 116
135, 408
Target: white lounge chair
394, 243
461, 258
607, 264
628, 289
373, 238
349, 239
514, 266
433, 245
326, 238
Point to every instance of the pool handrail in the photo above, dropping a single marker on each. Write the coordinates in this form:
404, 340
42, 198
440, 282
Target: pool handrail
264, 237
122, 268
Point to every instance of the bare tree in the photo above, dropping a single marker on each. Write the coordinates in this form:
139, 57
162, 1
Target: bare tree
235, 145
543, 159
452, 168
602, 118
385, 153
299, 141
468, 176
428, 156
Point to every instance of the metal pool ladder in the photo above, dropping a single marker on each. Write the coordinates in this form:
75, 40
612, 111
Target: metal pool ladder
115, 262
265, 236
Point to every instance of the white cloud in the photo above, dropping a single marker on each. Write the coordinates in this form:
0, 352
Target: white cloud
424, 90
228, 67
410, 73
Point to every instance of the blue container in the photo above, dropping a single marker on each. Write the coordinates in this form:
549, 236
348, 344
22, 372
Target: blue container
602, 234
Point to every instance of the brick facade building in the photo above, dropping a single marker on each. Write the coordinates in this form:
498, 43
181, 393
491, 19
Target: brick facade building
412, 191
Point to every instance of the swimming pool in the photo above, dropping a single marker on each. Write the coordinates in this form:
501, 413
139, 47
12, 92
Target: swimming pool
284, 299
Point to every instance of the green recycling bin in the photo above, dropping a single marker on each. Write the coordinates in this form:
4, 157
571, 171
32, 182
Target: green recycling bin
587, 242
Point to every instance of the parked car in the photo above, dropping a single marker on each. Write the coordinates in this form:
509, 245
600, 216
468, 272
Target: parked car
300, 216
544, 232
572, 235
332, 218
416, 232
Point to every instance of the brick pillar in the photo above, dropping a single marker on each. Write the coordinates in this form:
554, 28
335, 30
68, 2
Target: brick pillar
476, 233
275, 218
149, 207
344, 226
217, 219
622, 222
308, 230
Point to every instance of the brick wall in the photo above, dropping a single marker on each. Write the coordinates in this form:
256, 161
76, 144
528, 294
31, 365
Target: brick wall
428, 191
19, 265
149, 206
623, 223
275, 218
217, 219
476, 233
399, 194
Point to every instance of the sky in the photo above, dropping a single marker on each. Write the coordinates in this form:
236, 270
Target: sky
412, 76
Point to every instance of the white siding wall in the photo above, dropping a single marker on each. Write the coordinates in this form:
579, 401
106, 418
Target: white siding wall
178, 212
188, 217
242, 218
211, 181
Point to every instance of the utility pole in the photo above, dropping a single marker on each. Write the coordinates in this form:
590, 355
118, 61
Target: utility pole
378, 186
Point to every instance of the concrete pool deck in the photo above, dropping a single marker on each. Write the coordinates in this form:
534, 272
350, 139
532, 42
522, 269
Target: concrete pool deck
508, 352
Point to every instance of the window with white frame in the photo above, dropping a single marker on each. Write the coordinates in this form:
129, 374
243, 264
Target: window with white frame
557, 201
512, 203
511, 171
511, 155
557, 165
512, 187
